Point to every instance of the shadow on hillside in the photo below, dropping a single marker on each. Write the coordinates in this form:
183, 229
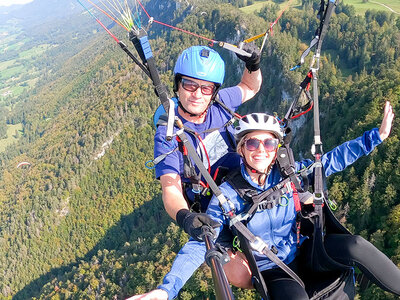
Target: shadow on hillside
129, 227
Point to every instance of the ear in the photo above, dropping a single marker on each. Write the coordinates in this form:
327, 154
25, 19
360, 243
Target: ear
240, 151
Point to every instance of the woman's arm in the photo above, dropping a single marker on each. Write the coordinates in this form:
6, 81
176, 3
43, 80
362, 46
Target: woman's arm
347, 153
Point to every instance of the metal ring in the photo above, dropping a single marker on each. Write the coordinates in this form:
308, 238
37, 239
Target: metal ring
150, 164
287, 201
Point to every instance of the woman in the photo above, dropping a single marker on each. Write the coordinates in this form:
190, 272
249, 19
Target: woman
258, 137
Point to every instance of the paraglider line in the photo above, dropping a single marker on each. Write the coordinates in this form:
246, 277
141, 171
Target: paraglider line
104, 12
176, 28
98, 21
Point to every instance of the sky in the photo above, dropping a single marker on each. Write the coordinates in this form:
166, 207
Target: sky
10, 2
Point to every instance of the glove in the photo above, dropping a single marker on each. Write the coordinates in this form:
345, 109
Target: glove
193, 223
252, 62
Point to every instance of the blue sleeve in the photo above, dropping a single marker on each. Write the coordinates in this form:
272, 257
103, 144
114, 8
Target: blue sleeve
189, 258
172, 163
347, 153
231, 97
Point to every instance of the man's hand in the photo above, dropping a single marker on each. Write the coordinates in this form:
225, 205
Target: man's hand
386, 125
192, 223
252, 62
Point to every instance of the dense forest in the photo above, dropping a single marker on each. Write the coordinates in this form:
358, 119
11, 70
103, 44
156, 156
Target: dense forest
85, 219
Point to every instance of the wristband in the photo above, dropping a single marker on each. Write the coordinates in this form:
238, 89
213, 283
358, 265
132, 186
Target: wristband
181, 216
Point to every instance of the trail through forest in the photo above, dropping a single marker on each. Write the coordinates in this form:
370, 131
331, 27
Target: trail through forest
384, 5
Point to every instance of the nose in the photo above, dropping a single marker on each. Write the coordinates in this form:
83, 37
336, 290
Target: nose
197, 93
261, 147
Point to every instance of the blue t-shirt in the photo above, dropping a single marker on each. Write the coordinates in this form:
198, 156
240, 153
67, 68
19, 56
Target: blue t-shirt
219, 144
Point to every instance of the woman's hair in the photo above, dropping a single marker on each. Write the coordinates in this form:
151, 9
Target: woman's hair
240, 144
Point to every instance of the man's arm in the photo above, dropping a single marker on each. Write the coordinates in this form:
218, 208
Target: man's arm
250, 84
177, 207
172, 194
251, 79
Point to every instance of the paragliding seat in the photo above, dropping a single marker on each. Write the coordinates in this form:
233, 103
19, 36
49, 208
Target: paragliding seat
323, 277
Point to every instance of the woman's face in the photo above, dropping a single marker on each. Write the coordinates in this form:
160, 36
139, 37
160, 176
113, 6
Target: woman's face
257, 155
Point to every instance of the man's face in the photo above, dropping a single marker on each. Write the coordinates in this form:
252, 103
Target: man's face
195, 94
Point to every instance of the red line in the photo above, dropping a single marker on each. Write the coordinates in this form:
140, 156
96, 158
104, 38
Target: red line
173, 27
185, 31
277, 19
304, 112
140, 3
108, 31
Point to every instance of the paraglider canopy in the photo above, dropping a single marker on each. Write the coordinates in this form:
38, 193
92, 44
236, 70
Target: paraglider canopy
23, 164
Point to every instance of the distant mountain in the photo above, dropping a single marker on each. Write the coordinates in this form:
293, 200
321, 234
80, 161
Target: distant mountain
38, 12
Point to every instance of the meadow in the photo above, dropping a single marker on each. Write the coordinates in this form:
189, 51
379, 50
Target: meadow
360, 6
11, 136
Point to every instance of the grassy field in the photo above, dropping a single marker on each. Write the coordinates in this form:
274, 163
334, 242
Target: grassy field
12, 72
10, 136
4, 65
360, 7
34, 51
259, 4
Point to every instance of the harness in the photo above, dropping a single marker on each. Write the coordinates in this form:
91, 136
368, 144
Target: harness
267, 199
194, 182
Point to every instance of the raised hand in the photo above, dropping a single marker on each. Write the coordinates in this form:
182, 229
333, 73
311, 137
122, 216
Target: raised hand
252, 62
387, 121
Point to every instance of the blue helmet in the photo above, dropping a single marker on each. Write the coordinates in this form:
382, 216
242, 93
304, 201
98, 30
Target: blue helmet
202, 63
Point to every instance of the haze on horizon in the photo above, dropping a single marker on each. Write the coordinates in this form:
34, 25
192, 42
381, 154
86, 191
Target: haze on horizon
11, 2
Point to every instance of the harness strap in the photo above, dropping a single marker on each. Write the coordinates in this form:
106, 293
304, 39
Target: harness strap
188, 166
228, 209
297, 206
257, 278
265, 200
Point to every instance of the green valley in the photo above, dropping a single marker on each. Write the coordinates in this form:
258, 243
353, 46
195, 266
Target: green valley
85, 219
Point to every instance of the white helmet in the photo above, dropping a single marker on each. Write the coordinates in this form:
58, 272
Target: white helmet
258, 121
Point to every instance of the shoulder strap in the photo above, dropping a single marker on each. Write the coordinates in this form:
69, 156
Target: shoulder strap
241, 186
267, 199
286, 162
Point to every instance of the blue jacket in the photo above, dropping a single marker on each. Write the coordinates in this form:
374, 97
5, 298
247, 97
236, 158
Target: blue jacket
275, 226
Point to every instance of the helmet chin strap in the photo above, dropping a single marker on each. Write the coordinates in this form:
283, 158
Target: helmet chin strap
190, 114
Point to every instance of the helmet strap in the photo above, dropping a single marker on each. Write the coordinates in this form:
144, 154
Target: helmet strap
190, 114
262, 175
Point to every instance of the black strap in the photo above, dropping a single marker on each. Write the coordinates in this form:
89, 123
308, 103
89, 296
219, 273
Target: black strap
141, 43
286, 163
257, 278
267, 199
255, 242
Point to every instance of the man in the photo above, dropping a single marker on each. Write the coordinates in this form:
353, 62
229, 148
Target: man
199, 74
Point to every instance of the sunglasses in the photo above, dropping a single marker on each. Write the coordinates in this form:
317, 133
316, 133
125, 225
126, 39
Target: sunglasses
270, 145
192, 86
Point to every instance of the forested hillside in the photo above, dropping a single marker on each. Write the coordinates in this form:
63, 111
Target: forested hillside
85, 219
